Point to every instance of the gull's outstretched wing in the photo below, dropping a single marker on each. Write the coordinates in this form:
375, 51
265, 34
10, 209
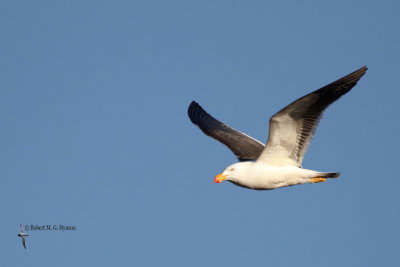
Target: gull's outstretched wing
23, 242
292, 129
20, 228
242, 145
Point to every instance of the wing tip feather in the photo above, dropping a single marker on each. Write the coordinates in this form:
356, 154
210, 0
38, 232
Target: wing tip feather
194, 111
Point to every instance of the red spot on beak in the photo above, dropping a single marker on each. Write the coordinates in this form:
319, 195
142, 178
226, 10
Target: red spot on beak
219, 178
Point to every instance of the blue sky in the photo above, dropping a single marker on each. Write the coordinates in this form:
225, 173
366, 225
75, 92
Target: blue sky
95, 132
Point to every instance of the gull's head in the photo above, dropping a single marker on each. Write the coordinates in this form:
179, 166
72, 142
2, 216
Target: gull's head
232, 173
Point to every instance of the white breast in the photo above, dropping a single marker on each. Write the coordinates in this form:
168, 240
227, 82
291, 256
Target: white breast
263, 177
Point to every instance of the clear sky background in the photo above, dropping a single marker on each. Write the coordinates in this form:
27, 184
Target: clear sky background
95, 133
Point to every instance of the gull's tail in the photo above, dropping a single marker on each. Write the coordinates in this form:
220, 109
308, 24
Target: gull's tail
329, 174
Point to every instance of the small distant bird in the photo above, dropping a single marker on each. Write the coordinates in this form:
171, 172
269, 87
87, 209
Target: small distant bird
22, 235
278, 163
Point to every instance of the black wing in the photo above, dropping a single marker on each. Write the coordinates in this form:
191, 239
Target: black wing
243, 146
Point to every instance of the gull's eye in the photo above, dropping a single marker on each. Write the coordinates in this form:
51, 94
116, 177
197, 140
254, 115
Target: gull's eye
231, 169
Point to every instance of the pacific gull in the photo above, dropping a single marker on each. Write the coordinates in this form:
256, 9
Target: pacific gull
278, 163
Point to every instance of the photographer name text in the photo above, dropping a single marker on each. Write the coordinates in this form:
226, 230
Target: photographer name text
50, 227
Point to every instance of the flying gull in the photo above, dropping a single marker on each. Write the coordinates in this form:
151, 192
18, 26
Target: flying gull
278, 163
22, 235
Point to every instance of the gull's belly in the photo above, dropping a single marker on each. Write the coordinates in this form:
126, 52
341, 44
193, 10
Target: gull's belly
266, 177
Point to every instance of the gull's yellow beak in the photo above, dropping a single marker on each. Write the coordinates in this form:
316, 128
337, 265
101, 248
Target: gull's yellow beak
219, 178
